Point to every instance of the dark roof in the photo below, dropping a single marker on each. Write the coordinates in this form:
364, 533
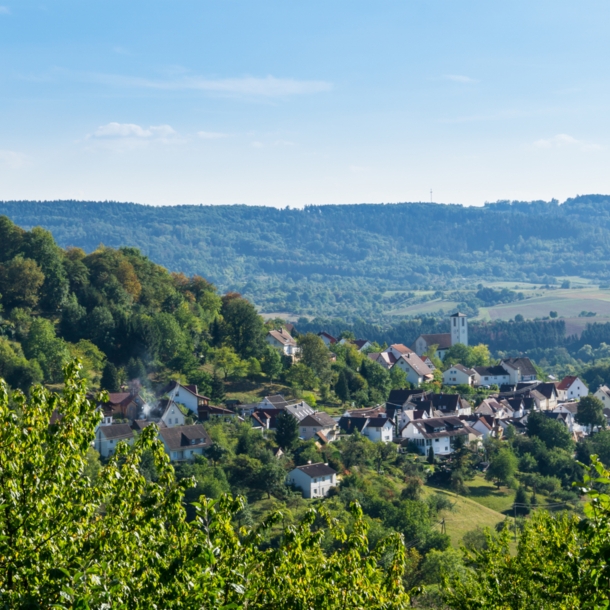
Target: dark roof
318, 419
117, 398
548, 390
446, 402
328, 336
566, 382
490, 371
181, 436
140, 424
212, 410
172, 384
449, 426
378, 422
117, 431
523, 364
360, 343
317, 470
458, 315
443, 340
277, 399
399, 397
349, 424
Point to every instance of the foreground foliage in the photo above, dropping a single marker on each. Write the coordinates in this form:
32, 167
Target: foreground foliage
561, 561
73, 538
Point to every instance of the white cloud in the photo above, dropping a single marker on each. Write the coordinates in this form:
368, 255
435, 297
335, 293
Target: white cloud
269, 86
212, 135
459, 78
14, 160
131, 130
5, 10
562, 140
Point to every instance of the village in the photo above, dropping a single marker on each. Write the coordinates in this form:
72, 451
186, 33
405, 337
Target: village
414, 419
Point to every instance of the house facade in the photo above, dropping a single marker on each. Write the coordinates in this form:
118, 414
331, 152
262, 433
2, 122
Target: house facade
186, 395
314, 480
459, 375
320, 426
491, 375
417, 372
572, 388
184, 442
519, 369
107, 437
424, 342
172, 415
282, 340
437, 432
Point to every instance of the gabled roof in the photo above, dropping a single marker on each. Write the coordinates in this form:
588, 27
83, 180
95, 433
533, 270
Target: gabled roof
299, 410
189, 388
277, 400
548, 390
139, 424
179, 437
463, 369
116, 431
318, 419
400, 348
524, 365
442, 340
491, 371
567, 382
448, 402
445, 426
399, 397
349, 424
416, 363
119, 398
330, 338
379, 422
360, 343
282, 336
316, 470
387, 358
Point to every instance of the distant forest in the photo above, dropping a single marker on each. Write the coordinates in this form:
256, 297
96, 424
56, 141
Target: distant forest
339, 260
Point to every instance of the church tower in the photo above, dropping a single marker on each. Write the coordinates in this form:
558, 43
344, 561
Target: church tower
459, 328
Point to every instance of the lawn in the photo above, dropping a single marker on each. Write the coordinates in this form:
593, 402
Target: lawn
487, 494
466, 515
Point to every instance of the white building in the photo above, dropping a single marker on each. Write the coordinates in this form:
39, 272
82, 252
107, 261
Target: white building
458, 374
519, 369
572, 388
398, 350
108, 436
185, 395
283, 340
319, 425
184, 442
172, 415
424, 342
376, 429
314, 480
327, 338
415, 368
603, 394
491, 375
437, 432
459, 328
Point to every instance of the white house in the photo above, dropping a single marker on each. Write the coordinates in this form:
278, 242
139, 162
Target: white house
108, 436
319, 425
172, 415
424, 342
314, 480
417, 372
458, 374
489, 375
398, 350
185, 395
519, 369
184, 442
603, 394
437, 432
283, 340
376, 429
385, 359
572, 388
327, 338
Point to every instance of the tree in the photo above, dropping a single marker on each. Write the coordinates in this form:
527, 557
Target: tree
242, 328
50, 351
551, 432
216, 452
431, 457
553, 314
218, 390
300, 376
272, 363
20, 283
110, 378
522, 502
226, 360
80, 535
398, 378
314, 354
591, 412
286, 430
341, 388
272, 478
502, 467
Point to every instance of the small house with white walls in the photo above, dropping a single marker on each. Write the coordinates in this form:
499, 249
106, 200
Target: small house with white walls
186, 395
519, 369
282, 340
424, 342
184, 442
415, 368
108, 436
603, 394
172, 415
314, 480
572, 388
458, 374
439, 433
320, 426
398, 350
491, 375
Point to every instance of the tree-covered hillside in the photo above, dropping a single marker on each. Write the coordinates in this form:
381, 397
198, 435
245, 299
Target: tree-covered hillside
339, 260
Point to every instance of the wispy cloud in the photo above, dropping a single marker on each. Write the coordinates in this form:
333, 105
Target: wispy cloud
5, 10
562, 140
212, 135
269, 86
12, 159
459, 78
130, 130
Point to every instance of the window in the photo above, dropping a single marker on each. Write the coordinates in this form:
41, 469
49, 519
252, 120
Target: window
454, 319
436, 440
463, 320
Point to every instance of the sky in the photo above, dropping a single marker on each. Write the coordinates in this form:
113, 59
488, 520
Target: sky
296, 103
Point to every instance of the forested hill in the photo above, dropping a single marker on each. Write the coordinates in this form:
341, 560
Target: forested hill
337, 258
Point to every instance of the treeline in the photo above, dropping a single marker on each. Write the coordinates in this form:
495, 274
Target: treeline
340, 260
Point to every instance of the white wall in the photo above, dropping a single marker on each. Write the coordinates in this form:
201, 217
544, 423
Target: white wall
316, 487
173, 416
184, 397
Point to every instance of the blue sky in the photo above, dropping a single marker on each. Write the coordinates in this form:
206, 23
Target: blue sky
286, 103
